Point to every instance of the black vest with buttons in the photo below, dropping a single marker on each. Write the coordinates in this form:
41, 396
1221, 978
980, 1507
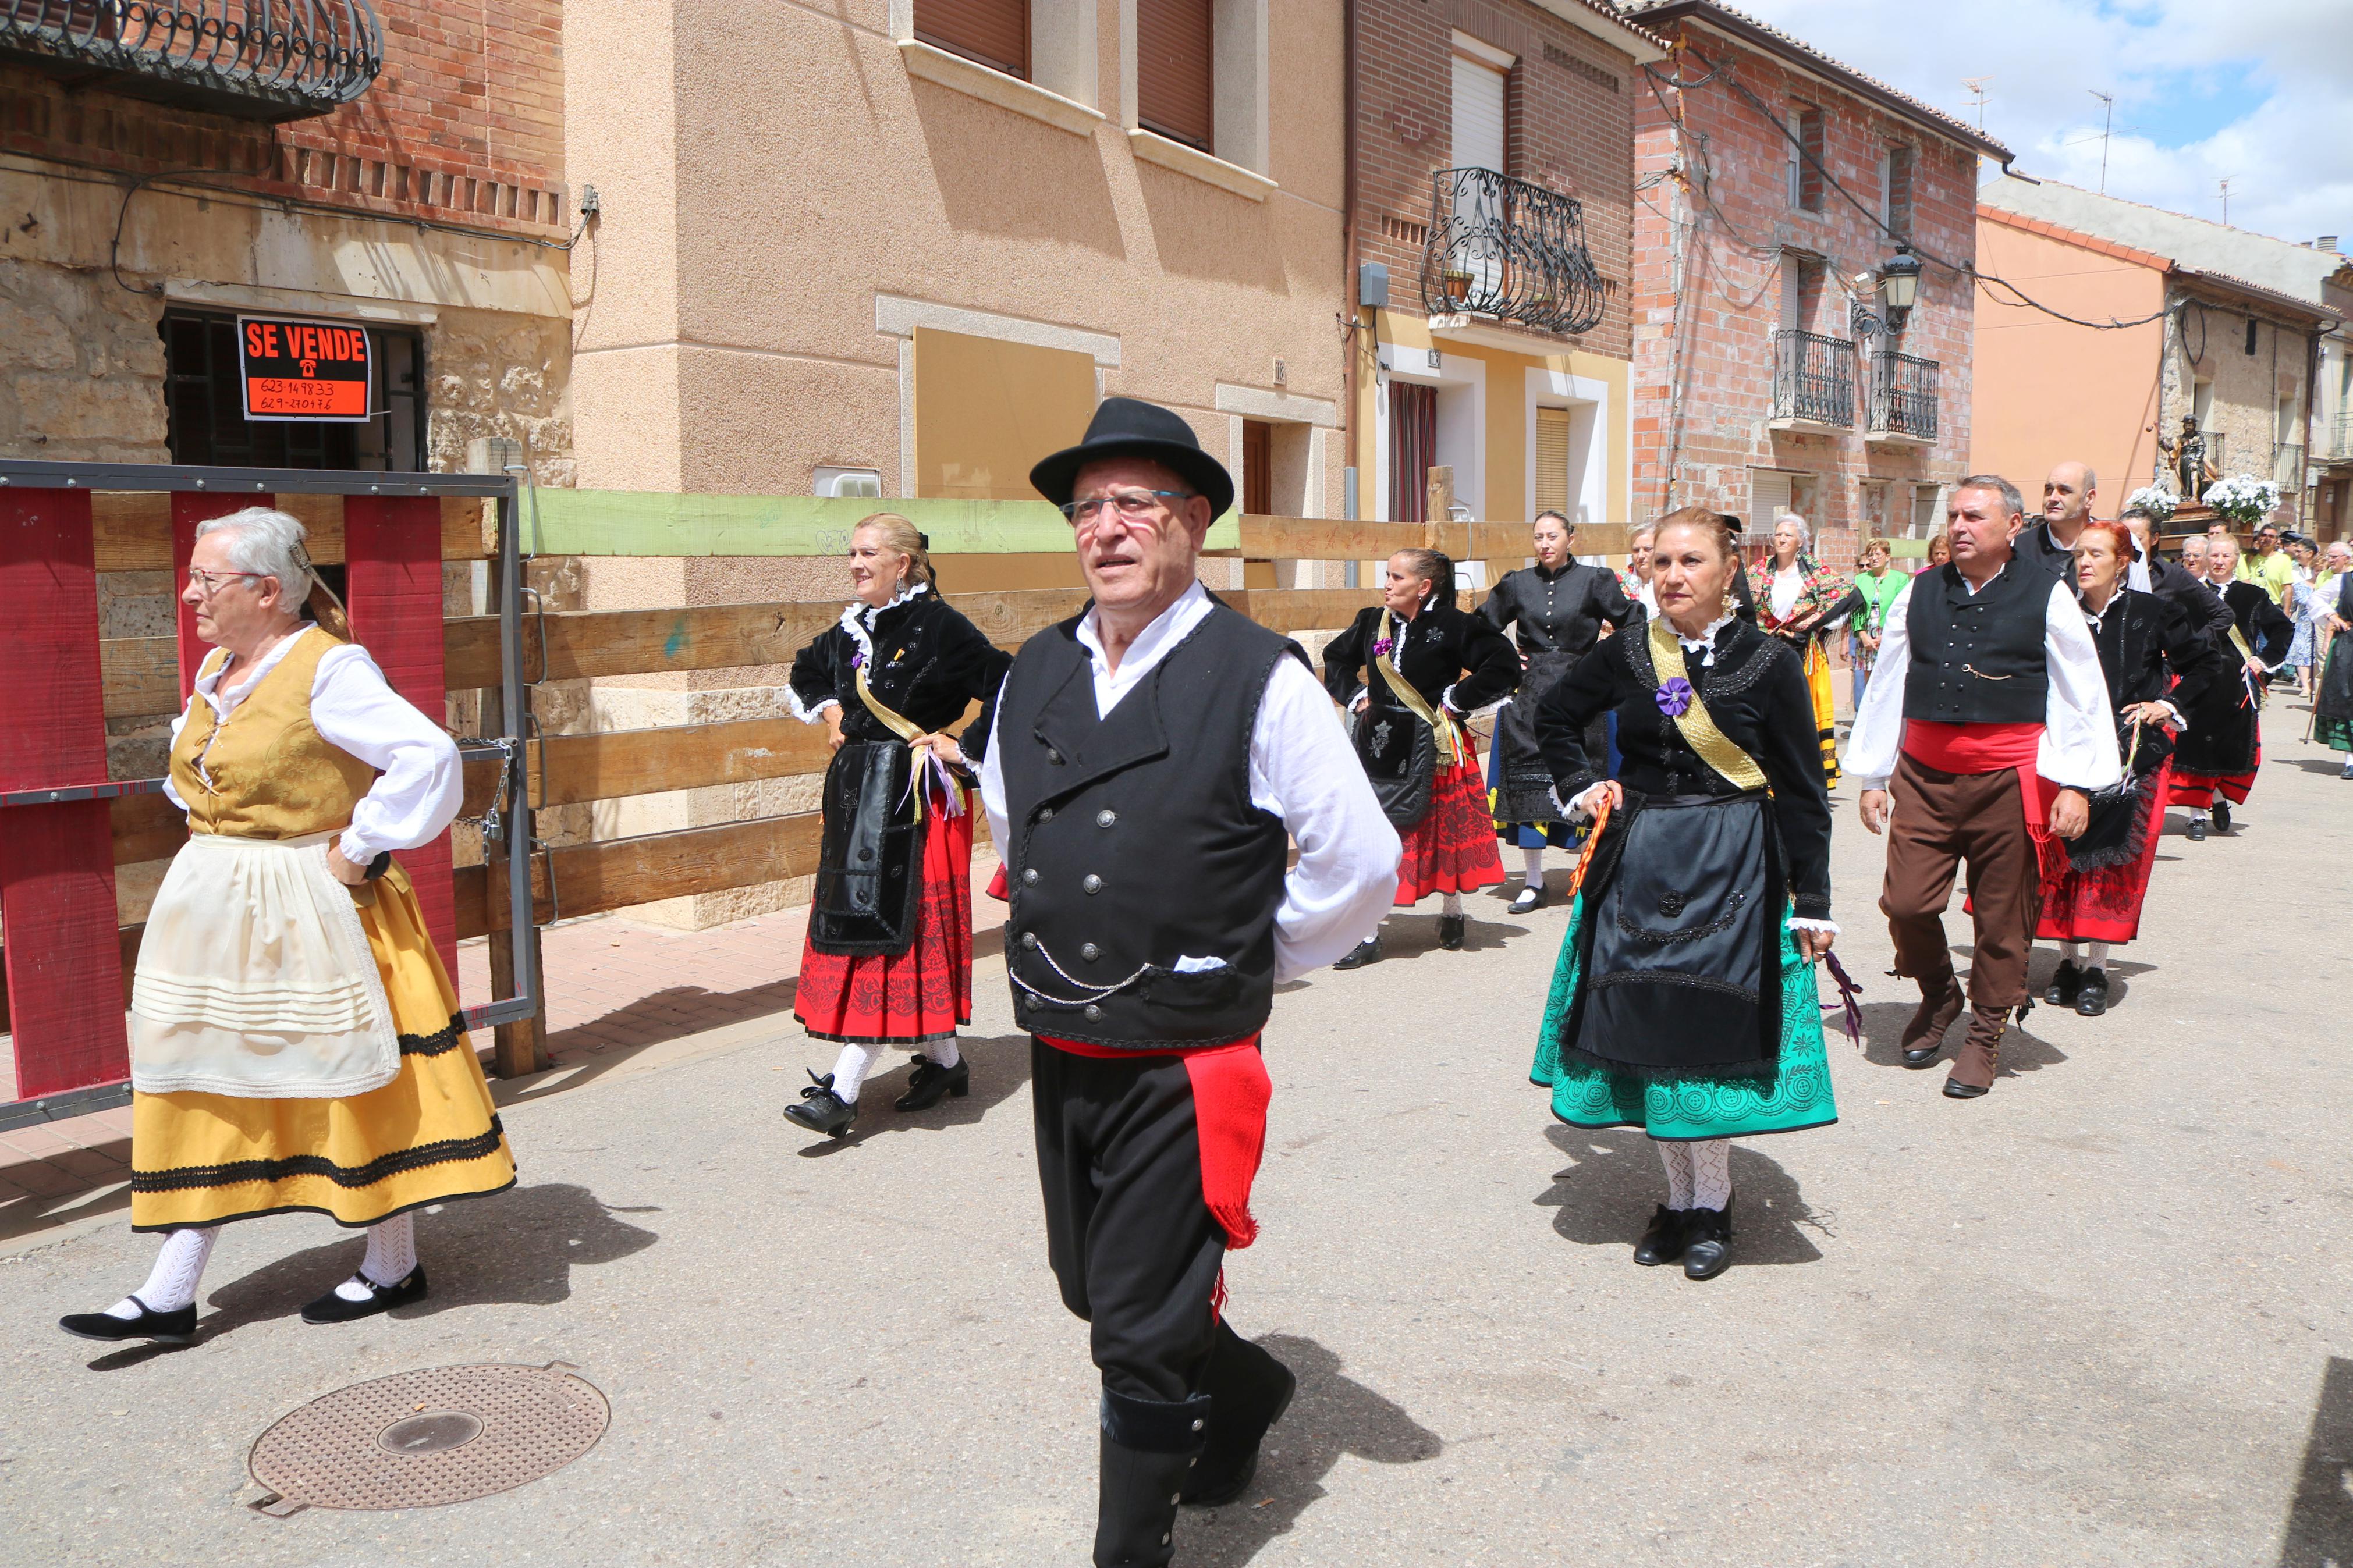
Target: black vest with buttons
1978, 658
1134, 842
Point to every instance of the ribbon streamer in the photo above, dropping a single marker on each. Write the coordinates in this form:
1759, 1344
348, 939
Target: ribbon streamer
1851, 1018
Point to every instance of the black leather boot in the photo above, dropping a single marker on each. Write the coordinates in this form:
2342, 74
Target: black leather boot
1365, 952
1663, 1241
821, 1109
1248, 1390
2093, 999
2066, 983
1149, 1450
1924, 1037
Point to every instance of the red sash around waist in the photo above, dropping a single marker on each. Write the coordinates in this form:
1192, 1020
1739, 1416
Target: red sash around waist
1985, 749
1230, 1093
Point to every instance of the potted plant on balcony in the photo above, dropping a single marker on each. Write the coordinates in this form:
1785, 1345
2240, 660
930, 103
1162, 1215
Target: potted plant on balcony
1458, 284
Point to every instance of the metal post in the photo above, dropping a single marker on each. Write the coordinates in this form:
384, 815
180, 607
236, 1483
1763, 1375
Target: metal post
522, 933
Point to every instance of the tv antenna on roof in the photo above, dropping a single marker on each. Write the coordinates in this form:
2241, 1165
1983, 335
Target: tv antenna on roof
2108, 127
1975, 86
2223, 184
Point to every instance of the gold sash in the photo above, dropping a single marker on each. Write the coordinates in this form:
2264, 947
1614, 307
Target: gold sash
1440, 724
901, 726
1715, 747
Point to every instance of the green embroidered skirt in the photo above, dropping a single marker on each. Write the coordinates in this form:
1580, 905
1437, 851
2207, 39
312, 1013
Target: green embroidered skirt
1796, 1096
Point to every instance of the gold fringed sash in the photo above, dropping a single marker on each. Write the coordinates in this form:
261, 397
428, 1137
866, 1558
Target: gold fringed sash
1403, 689
904, 728
1715, 747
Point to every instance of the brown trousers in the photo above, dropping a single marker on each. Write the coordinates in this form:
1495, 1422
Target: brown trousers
1942, 819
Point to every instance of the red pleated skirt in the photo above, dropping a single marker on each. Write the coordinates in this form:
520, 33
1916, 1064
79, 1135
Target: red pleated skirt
2197, 791
1452, 848
2102, 905
903, 998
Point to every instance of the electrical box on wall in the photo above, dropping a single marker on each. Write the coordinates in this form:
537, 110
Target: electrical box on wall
1372, 286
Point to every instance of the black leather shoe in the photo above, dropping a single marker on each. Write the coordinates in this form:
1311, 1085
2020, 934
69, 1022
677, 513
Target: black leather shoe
164, 1328
2064, 985
1707, 1241
334, 1308
1958, 1090
2196, 831
931, 1083
1249, 1391
1450, 932
1663, 1242
1530, 901
821, 1109
1365, 952
2093, 1000
2221, 817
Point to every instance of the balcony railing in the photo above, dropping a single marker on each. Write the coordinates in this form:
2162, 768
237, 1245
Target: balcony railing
2287, 466
256, 59
1813, 380
1502, 248
2338, 443
1902, 397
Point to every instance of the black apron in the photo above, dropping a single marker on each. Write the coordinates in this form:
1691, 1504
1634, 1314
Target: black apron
870, 875
1522, 785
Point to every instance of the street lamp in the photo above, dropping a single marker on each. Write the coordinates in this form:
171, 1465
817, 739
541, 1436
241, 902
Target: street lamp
1899, 285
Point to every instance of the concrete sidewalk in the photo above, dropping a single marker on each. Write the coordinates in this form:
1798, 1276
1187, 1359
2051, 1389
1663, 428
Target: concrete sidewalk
2099, 1317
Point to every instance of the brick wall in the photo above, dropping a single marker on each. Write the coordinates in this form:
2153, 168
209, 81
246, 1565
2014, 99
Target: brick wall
1569, 126
464, 125
1708, 290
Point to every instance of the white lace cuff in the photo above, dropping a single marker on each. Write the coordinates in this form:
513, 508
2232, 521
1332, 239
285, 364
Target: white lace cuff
1799, 922
803, 712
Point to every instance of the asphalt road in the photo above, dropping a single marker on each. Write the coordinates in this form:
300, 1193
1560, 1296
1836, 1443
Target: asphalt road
2098, 1316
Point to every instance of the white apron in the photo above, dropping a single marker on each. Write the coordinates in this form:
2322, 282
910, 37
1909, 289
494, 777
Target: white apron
256, 980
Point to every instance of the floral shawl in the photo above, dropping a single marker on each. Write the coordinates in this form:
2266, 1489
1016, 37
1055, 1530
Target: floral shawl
1819, 589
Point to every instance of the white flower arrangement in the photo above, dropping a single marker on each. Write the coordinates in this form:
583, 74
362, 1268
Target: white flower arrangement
2242, 497
2158, 504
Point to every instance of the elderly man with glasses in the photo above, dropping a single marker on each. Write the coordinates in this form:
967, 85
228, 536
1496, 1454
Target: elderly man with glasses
1154, 759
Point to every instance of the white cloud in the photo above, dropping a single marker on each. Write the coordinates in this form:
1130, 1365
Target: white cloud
2252, 90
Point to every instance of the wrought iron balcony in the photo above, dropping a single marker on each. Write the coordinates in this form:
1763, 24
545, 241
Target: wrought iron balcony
1502, 248
2287, 467
2338, 444
1813, 382
256, 59
1903, 398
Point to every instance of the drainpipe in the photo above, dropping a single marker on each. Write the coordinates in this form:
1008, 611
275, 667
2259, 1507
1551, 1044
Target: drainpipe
1351, 434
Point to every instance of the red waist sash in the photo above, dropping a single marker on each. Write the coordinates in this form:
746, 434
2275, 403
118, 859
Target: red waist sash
1230, 1093
1985, 749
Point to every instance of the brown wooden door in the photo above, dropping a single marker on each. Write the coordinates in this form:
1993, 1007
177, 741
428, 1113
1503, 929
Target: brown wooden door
1258, 467
1175, 89
994, 32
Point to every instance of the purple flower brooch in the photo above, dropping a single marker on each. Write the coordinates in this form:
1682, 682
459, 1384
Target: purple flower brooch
1381, 649
1674, 696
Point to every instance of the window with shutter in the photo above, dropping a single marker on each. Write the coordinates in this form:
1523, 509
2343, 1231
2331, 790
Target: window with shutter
1806, 172
1478, 115
1175, 85
994, 32
1551, 460
1768, 498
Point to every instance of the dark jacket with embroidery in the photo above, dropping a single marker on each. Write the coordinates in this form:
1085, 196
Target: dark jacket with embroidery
2145, 642
1561, 611
1756, 692
1441, 647
2224, 738
928, 663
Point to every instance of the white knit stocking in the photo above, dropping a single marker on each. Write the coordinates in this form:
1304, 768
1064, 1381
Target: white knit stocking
1676, 1158
172, 1283
850, 1070
1451, 904
2097, 955
1533, 862
943, 1052
391, 1258
1711, 1173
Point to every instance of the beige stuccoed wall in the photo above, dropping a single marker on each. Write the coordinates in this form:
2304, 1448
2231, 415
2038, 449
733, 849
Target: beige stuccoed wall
774, 199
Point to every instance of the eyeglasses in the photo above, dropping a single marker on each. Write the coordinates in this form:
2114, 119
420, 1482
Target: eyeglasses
1131, 505
207, 583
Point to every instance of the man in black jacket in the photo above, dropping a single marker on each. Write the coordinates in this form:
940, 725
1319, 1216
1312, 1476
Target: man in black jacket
2152, 574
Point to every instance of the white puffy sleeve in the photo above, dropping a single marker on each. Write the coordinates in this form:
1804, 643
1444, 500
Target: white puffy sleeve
2078, 749
1302, 771
354, 709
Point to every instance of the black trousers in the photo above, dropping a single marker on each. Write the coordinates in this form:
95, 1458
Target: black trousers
1132, 1242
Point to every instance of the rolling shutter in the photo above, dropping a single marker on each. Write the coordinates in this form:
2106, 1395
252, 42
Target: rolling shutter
1768, 498
1551, 460
1175, 90
1478, 115
994, 32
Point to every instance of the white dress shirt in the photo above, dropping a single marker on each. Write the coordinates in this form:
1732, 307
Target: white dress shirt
1301, 770
419, 786
2078, 749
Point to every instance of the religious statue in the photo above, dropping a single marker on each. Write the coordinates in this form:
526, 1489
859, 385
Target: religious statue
2192, 472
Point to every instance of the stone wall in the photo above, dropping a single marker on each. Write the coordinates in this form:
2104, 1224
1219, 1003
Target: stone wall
84, 364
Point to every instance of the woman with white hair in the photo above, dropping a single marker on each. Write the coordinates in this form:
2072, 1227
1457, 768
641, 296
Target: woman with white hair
295, 1043
1799, 601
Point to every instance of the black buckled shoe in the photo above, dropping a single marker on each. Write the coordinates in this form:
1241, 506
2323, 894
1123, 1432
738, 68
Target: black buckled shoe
1365, 952
332, 1308
1248, 1390
931, 1083
2196, 831
176, 1327
1663, 1241
1450, 932
2093, 999
1531, 899
2066, 983
1707, 1241
821, 1109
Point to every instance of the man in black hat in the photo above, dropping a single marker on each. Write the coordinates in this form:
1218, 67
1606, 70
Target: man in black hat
1153, 759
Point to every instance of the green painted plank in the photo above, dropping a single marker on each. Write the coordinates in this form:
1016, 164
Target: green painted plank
653, 523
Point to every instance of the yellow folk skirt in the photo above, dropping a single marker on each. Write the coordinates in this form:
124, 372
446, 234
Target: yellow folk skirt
1825, 697
428, 1136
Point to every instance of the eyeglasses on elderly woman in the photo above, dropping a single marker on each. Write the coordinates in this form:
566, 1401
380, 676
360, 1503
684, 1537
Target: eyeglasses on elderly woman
207, 583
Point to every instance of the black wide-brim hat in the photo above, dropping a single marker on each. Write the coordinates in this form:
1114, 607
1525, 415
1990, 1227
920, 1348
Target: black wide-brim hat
1129, 427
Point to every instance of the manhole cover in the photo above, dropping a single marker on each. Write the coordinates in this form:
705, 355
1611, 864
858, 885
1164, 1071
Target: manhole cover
421, 1439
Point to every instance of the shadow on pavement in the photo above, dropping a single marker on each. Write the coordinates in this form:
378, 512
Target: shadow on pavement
2320, 1520
2330, 765
650, 1021
517, 1248
1000, 1065
1606, 1196
1331, 1415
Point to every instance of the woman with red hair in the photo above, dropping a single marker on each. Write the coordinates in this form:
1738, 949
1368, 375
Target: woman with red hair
2157, 666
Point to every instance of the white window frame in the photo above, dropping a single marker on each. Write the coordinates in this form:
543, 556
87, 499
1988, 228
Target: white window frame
1243, 161
1062, 91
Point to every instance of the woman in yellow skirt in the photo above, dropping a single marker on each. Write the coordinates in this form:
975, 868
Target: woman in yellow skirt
1799, 600
295, 1043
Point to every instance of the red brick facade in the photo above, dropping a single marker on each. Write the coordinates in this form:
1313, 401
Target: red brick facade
1717, 246
1569, 126
465, 124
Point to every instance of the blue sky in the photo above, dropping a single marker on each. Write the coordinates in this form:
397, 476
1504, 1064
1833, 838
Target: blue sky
2257, 90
